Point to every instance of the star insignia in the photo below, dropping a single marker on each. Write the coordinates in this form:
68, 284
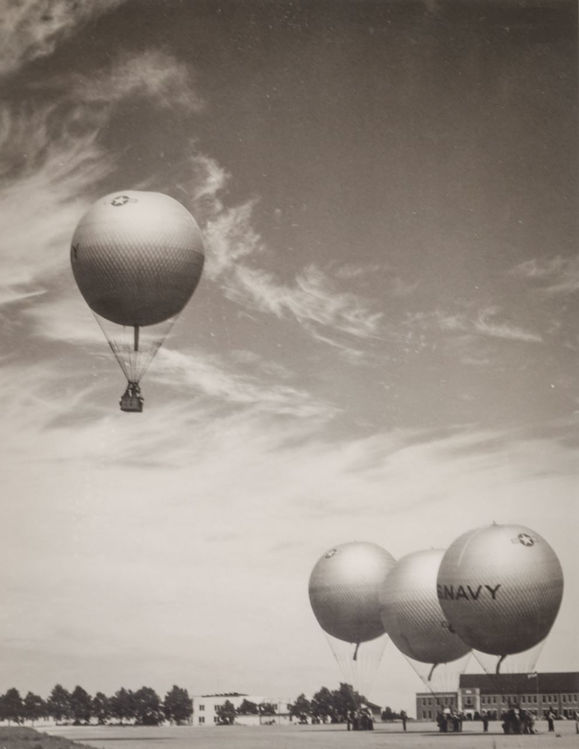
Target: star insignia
120, 200
526, 540
329, 554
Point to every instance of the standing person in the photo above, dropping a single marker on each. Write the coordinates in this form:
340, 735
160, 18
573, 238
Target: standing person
551, 719
485, 721
404, 718
527, 722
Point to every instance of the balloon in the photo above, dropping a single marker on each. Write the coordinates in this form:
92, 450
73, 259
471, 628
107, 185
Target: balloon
137, 257
344, 590
500, 588
411, 613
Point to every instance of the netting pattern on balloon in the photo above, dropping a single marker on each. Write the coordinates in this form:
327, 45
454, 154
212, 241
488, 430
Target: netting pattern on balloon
499, 591
411, 612
349, 613
344, 591
137, 283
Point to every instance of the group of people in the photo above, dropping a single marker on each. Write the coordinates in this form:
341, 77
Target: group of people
360, 720
449, 720
518, 720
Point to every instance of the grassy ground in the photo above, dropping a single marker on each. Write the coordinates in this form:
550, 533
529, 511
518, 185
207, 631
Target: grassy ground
27, 738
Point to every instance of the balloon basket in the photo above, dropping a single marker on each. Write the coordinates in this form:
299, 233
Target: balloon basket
132, 400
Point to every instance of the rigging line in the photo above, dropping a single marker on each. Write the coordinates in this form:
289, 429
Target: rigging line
426, 682
113, 347
126, 344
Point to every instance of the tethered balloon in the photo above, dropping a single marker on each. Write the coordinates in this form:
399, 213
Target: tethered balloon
344, 590
500, 588
137, 258
411, 613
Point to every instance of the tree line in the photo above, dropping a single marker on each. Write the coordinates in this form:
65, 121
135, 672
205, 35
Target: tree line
227, 712
145, 707
142, 707
333, 706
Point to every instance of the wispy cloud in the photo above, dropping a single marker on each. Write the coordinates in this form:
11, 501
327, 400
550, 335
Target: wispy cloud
46, 171
65, 317
313, 299
241, 382
230, 236
30, 29
234, 245
153, 74
212, 377
488, 322
53, 161
16, 293
554, 276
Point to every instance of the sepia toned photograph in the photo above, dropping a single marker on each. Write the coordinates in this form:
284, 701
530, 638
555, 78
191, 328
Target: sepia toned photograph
289, 297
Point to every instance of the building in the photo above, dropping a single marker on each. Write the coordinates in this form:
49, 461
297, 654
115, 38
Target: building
535, 692
205, 709
429, 704
558, 691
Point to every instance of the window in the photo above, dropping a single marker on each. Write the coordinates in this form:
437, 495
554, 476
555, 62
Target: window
202, 719
564, 698
201, 707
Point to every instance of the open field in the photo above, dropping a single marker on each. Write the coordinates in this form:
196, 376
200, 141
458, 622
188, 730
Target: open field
385, 736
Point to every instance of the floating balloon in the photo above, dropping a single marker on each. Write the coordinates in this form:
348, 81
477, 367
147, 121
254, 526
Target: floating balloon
500, 588
344, 590
411, 613
137, 258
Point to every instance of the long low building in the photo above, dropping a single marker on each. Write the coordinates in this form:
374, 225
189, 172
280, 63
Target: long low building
536, 692
206, 709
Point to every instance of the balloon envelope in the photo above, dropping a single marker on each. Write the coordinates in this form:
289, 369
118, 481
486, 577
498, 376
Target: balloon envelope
500, 588
344, 590
137, 257
411, 613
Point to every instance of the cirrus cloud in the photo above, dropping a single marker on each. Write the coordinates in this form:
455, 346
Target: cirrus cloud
30, 29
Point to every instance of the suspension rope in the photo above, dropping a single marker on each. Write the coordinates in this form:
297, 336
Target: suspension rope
134, 353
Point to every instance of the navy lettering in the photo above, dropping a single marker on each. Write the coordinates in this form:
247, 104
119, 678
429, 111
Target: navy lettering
474, 594
461, 593
493, 591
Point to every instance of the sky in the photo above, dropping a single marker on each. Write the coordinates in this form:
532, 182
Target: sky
383, 347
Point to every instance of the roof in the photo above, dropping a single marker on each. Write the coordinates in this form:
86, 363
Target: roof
561, 681
226, 694
372, 705
448, 693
